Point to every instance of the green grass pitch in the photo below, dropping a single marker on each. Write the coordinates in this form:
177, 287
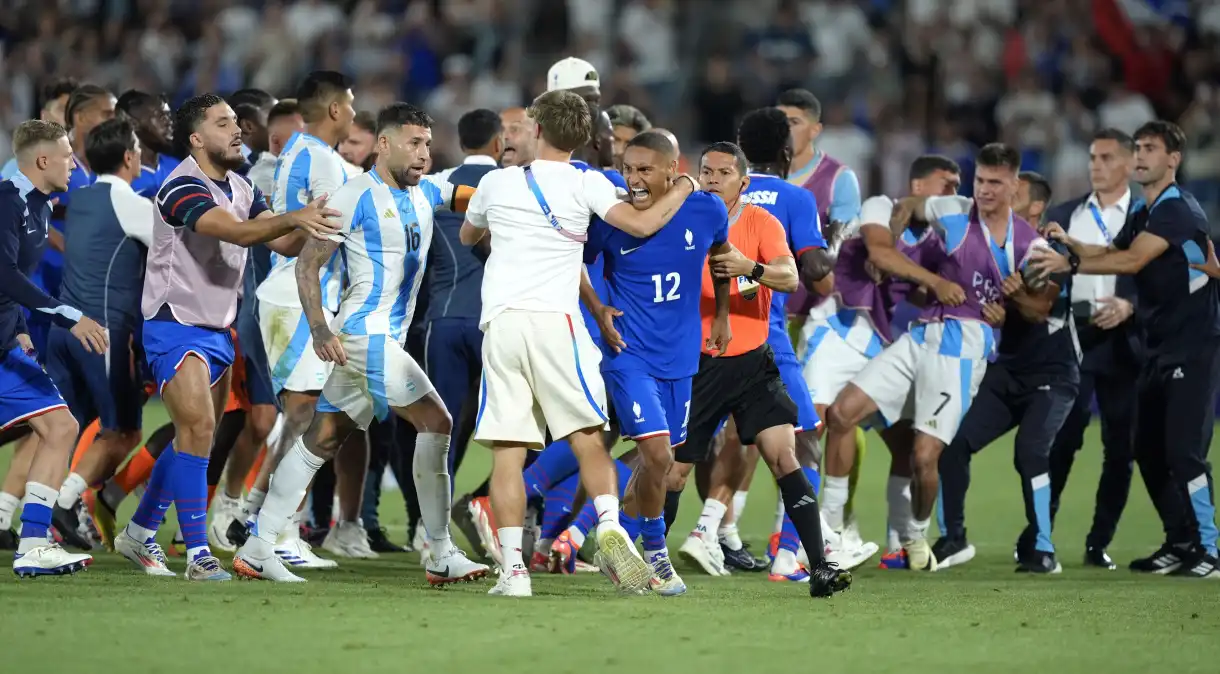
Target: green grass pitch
381, 616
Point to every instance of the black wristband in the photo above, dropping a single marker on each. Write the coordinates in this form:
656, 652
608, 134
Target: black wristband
1074, 262
758, 272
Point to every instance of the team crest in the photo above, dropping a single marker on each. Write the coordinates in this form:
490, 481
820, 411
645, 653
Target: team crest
690, 240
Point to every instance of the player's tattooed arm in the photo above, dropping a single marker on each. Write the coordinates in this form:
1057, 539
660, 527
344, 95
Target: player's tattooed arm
314, 254
289, 245
885, 256
721, 333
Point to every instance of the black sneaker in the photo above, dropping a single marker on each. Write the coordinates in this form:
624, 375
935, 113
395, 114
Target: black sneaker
741, 559
1165, 560
952, 552
1024, 548
238, 532
827, 579
1198, 565
314, 536
1097, 557
379, 542
1038, 561
9, 539
68, 524
465, 523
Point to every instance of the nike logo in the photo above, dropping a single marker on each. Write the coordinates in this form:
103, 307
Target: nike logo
444, 573
199, 516
161, 507
254, 566
39, 498
624, 251
1044, 387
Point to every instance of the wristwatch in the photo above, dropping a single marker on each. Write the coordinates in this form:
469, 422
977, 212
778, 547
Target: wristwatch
758, 272
1073, 261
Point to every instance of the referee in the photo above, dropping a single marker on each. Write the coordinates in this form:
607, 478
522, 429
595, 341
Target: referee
1177, 305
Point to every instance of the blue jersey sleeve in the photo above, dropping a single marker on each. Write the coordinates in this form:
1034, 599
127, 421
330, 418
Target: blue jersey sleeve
599, 234
804, 230
183, 200
616, 179
720, 215
845, 197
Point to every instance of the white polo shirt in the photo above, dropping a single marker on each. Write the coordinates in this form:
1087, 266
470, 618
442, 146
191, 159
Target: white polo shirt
1084, 228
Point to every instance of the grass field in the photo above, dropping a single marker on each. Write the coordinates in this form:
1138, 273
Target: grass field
381, 616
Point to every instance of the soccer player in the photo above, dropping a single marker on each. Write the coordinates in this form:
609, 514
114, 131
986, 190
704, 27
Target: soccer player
283, 122
153, 122
539, 363
935, 368
626, 122
1177, 306
519, 140
1031, 386
251, 106
358, 148
387, 216
27, 395
648, 324
54, 101
205, 212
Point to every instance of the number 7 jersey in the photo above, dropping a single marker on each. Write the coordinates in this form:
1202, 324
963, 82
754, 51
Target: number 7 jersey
656, 282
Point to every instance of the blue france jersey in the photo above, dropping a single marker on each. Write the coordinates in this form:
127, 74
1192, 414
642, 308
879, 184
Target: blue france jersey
656, 283
595, 266
797, 211
149, 182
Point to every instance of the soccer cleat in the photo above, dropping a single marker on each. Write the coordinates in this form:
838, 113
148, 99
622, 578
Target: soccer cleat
773, 546
348, 539
952, 552
485, 526
540, 562
515, 583
1039, 561
225, 511
741, 559
461, 516
207, 568
665, 581
1097, 557
246, 565
850, 555
706, 553
71, 528
895, 560
919, 555
1164, 561
851, 532
298, 554
620, 560
799, 575
826, 580
563, 557
102, 515
454, 567
49, 560
239, 531
1198, 565
147, 556
8, 539
379, 542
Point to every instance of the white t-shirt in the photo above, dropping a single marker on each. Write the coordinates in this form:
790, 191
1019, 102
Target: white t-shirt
533, 266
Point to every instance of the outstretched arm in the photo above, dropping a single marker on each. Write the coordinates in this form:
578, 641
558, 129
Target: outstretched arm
641, 224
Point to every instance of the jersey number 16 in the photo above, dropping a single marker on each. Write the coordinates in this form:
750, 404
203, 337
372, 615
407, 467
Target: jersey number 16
674, 279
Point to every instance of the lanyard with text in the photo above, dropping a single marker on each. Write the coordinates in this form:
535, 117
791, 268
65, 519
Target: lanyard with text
1005, 259
546, 209
1101, 224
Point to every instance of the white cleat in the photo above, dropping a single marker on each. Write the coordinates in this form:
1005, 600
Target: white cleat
49, 560
349, 539
484, 524
665, 581
207, 568
513, 584
919, 555
298, 554
246, 564
454, 567
619, 559
706, 552
224, 511
148, 556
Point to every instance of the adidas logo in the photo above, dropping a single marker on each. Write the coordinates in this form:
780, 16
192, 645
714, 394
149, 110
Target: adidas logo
806, 500
1177, 373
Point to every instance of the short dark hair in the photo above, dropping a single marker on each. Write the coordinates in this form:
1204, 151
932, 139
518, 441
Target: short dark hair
190, 114
365, 120
1170, 134
251, 96
802, 99
132, 100
655, 141
926, 165
1039, 186
725, 147
317, 91
107, 144
565, 119
285, 108
1124, 141
80, 97
477, 128
763, 135
999, 155
60, 87
248, 111
401, 114
630, 116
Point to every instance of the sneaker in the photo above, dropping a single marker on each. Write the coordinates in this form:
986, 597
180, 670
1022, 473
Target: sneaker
1039, 561
705, 552
952, 552
1097, 557
454, 567
8, 539
462, 518
239, 531
827, 580
207, 568
348, 539
563, 557
621, 561
71, 528
225, 510
1164, 561
851, 553
515, 583
1198, 565
773, 545
103, 517
897, 560
380, 542
798, 575
248, 564
297, 553
485, 528
147, 556
665, 581
919, 555
741, 559
49, 560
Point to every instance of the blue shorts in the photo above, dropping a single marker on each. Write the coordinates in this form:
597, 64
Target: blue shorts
168, 343
650, 407
108, 387
792, 374
26, 391
259, 390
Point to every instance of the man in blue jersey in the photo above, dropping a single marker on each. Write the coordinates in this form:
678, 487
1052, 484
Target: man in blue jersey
151, 117
651, 329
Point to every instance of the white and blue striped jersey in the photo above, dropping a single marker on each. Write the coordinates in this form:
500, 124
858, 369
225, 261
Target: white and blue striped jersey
304, 171
386, 234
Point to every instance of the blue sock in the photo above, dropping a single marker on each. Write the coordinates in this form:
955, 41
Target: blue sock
36, 511
552, 466
788, 539
158, 493
557, 507
652, 530
814, 477
630, 524
190, 480
586, 519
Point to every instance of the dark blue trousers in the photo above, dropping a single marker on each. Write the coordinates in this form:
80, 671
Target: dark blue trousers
453, 359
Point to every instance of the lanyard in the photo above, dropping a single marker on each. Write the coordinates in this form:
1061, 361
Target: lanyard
1101, 224
1005, 259
546, 209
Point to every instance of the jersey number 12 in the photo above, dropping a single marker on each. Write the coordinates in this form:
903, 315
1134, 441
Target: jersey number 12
674, 279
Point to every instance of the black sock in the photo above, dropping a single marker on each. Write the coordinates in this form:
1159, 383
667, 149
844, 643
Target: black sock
482, 489
672, 498
227, 432
801, 504
159, 440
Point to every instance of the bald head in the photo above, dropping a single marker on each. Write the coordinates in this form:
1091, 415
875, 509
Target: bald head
519, 137
669, 135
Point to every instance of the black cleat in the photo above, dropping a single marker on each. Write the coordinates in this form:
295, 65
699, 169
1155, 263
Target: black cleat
1198, 564
1097, 557
67, 523
952, 552
379, 542
238, 532
1038, 561
9, 539
827, 579
741, 559
1164, 561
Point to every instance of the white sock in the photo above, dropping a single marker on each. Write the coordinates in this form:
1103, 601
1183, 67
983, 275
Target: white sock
40, 494
730, 536
606, 506
510, 548
8, 508
779, 514
576, 536
431, 470
710, 518
898, 498
254, 501
140, 533
784, 562
919, 530
834, 500
739, 505
292, 532
292, 478
71, 490
276, 429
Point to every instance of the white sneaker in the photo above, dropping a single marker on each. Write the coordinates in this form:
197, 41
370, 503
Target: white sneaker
848, 558
619, 559
49, 560
665, 581
147, 556
513, 584
706, 552
248, 563
454, 567
349, 539
224, 511
851, 533
480, 512
919, 555
207, 568
298, 554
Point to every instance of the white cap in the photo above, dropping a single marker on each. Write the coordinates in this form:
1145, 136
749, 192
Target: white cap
572, 73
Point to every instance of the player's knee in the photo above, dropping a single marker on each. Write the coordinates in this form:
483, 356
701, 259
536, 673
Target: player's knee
926, 459
657, 457
431, 416
127, 440
675, 477
298, 413
261, 421
57, 430
195, 436
839, 417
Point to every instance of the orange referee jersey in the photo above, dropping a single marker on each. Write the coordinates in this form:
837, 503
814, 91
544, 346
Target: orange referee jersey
760, 237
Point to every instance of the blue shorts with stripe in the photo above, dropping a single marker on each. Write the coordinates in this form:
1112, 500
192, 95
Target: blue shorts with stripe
790, 372
108, 387
648, 406
167, 344
26, 390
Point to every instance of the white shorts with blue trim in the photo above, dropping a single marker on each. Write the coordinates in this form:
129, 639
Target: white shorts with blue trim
379, 375
930, 376
540, 370
836, 348
289, 346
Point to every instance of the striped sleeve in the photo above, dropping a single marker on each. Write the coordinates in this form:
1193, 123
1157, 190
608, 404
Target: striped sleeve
183, 200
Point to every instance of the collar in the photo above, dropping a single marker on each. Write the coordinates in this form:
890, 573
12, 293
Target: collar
112, 179
80, 166
25, 186
480, 159
1123, 204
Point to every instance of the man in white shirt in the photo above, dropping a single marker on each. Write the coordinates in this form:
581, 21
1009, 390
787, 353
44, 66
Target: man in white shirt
540, 367
283, 122
1102, 307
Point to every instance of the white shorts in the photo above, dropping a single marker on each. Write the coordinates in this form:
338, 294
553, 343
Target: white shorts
836, 349
289, 345
540, 370
379, 375
915, 379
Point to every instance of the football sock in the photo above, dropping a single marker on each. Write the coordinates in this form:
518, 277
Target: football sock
606, 507
69, 492
430, 467
709, 519
510, 548
802, 506
190, 488
8, 508
652, 531
292, 479
788, 538
158, 496
835, 492
898, 500
557, 507
35, 516
553, 465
